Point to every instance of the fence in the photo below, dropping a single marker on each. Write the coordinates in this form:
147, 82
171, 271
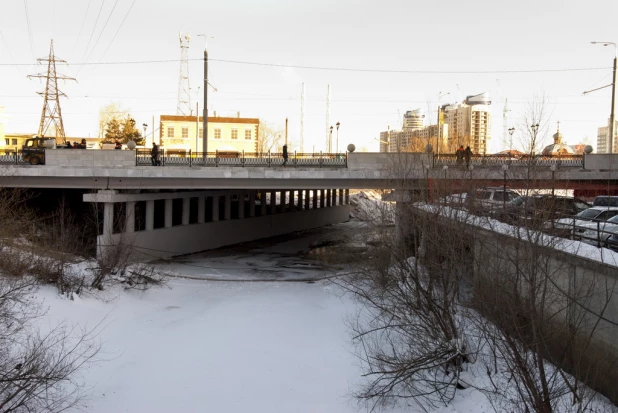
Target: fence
526, 160
242, 159
15, 156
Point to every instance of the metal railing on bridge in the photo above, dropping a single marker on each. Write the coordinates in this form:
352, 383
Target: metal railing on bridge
172, 157
525, 160
15, 157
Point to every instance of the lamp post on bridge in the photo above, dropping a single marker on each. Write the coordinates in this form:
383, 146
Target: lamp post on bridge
612, 115
337, 144
553, 168
505, 168
511, 132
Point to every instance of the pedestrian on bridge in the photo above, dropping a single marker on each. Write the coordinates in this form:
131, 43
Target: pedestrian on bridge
468, 156
285, 154
459, 155
154, 155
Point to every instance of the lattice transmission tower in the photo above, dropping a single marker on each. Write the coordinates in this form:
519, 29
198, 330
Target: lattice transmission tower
329, 131
183, 106
302, 119
51, 115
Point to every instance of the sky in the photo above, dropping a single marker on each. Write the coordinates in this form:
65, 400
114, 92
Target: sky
379, 58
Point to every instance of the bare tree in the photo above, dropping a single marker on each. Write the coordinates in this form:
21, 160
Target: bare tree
270, 138
38, 369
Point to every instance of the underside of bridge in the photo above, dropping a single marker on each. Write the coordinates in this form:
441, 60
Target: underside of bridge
147, 226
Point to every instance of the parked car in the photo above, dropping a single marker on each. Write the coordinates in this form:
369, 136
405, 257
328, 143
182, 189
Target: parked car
605, 200
539, 208
486, 199
597, 232
575, 226
612, 242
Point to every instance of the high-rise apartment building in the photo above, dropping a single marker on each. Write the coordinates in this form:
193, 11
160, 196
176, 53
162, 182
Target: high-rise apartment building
413, 119
603, 137
470, 123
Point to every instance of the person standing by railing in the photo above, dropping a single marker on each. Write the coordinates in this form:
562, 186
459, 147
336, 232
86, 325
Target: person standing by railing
154, 155
459, 155
285, 154
468, 156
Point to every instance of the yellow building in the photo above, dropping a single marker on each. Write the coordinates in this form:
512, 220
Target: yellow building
185, 133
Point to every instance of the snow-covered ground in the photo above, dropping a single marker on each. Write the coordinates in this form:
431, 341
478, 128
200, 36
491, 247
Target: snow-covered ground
251, 328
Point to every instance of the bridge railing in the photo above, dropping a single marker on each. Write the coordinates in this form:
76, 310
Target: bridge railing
12, 157
526, 160
171, 157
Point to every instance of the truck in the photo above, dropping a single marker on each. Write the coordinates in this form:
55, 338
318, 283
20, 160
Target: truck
33, 150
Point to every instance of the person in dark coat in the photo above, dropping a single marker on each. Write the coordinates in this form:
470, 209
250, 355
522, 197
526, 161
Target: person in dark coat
459, 155
468, 156
285, 155
118, 144
154, 155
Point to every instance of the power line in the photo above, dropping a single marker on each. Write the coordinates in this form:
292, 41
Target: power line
82, 26
29, 29
102, 31
445, 72
93, 29
119, 27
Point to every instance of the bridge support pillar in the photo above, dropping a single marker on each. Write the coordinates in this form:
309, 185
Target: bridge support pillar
186, 210
215, 208
263, 203
227, 212
273, 202
201, 209
347, 196
169, 205
300, 199
292, 203
150, 205
314, 198
241, 205
108, 218
129, 225
329, 198
322, 199
252, 204
306, 199
284, 201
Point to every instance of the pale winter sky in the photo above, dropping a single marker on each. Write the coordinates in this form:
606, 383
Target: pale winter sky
512, 49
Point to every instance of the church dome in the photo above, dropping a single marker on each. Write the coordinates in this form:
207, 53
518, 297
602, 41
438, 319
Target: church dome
558, 148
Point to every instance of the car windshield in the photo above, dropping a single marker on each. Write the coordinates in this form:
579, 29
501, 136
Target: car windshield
613, 220
588, 214
519, 201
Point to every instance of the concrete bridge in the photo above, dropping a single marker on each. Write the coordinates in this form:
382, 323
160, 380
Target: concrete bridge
185, 208
123, 170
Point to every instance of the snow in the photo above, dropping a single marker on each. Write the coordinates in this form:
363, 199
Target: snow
236, 330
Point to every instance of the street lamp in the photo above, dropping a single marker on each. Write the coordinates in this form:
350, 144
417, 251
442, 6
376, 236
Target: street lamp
445, 167
511, 132
612, 116
505, 168
535, 129
145, 126
337, 125
439, 132
330, 140
552, 168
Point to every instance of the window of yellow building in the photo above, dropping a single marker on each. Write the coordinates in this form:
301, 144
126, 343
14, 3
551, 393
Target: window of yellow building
248, 134
170, 132
217, 133
234, 133
185, 132
201, 133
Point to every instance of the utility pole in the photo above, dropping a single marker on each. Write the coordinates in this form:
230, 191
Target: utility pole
51, 114
612, 116
286, 133
302, 119
205, 110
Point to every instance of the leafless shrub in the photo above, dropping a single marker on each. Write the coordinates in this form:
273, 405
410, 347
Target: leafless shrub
38, 369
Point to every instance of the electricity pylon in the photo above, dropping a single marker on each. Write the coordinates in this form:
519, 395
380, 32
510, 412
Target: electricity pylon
183, 106
51, 114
